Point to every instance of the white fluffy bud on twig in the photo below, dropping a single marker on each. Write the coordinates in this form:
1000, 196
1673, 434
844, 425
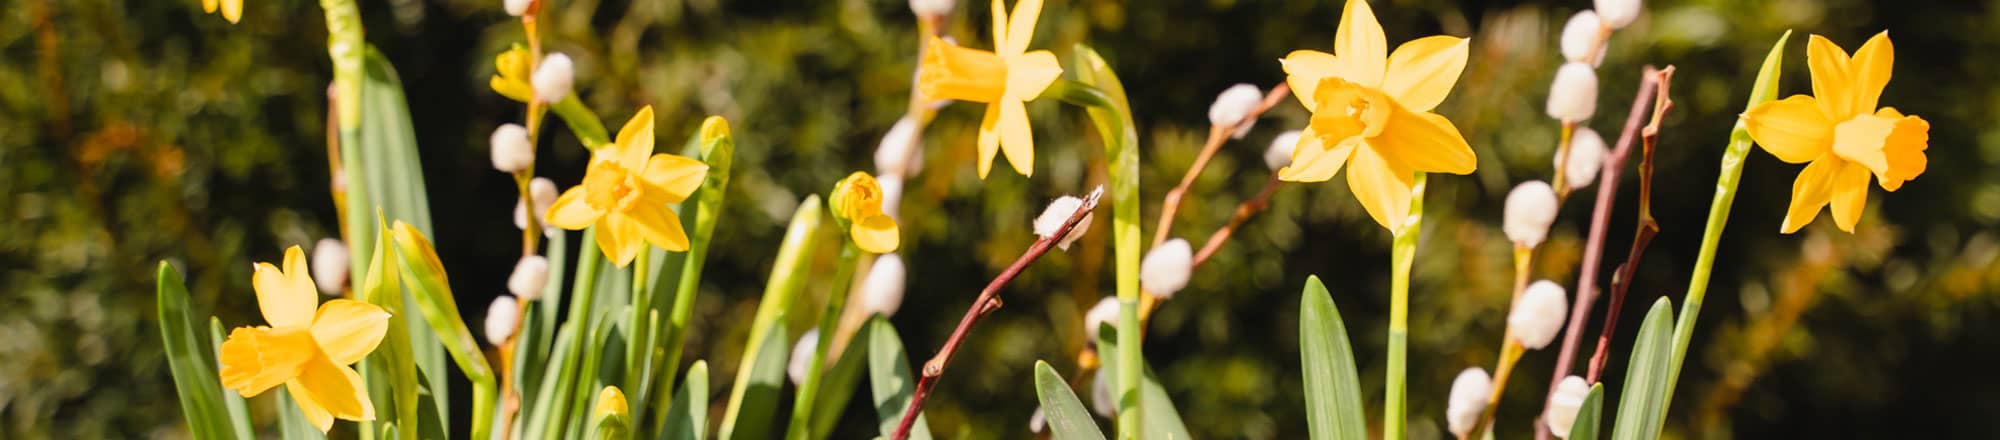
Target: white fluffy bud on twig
1166, 268
543, 192
530, 275
1280, 153
518, 7
329, 266
1580, 38
1058, 212
1573, 95
802, 354
501, 316
512, 152
1586, 157
554, 78
892, 195
1564, 404
1100, 395
1468, 400
1618, 13
1531, 208
882, 291
899, 154
1233, 107
931, 8
1105, 312
1038, 421
1538, 314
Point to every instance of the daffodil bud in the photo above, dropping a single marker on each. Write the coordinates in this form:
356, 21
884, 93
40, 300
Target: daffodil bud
554, 78
611, 415
1618, 13
511, 150
501, 317
1468, 400
518, 7
1166, 268
1531, 208
931, 8
1586, 157
1100, 395
1279, 155
1573, 96
882, 290
1580, 42
1233, 107
329, 266
1564, 404
899, 153
530, 275
543, 192
1056, 214
1538, 314
1105, 312
802, 353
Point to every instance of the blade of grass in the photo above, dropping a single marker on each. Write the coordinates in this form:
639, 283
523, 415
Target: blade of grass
1068, 420
1333, 388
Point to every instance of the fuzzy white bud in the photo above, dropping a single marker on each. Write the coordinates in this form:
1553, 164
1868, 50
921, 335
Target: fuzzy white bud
1038, 421
530, 275
899, 153
1280, 153
882, 291
554, 78
1166, 268
501, 316
1586, 157
1468, 400
931, 8
1538, 314
1564, 404
511, 150
329, 266
518, 7
1105, 312
802, 354
543, 192
1531, 208
1580, 38
1573, 95
1100, 395
1618, 13
1056, 214
1233, 107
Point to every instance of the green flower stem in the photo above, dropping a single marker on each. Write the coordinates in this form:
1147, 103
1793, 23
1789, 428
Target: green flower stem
588, 128
718, 151
639, 344
344, 44
552, 421
1403, 252
836, 301
1097, 89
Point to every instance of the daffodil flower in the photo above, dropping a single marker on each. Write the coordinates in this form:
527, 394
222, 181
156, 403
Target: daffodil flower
1371, 112
232, 10
1004, 79
308, 351
625, 192
1841, 133
511, 70
857, 201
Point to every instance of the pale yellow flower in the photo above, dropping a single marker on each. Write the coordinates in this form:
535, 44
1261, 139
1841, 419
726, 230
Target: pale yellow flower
626, 191
1841, 133
511, 70
232, 10
857, 200
308, 351
1372, 113
1005, 79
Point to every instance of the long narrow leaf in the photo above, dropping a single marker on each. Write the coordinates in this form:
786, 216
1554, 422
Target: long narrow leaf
1589, 415
689, 418
762, 376
1068, 420
1155, 406
1333, 388
188, 356
1641, 407
836, 389
889, 379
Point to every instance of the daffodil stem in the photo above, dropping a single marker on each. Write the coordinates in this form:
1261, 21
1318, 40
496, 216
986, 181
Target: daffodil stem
1402, 253
583, 123
1098, 89
829, 320
1076, 93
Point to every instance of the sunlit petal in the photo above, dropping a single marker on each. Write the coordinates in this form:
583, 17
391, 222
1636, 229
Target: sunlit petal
677, 176
1017, 140
1380, 185
1832, 84
989, 139
1303, 71
1424, 142
618, 239
1810, 192
286, 297
571, 212
1363, 50
1904, 148
1422, 71
659, 226
254, 359
877, 234
314, 412
1031, 73
1860, 140
999, 25
347, 330
1870, 67
635, 140
232, 10
1793, 129
1313, 162
337, 388
208, 5
1850, 194
1021, 26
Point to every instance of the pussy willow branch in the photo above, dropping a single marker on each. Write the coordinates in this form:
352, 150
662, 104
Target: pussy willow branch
1217, 135
988, 301
1243, 213
1647, 228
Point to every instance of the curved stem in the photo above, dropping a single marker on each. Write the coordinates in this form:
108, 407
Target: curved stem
1402, 254
836, 301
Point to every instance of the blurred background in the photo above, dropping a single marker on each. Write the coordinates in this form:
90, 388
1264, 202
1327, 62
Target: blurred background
139, 131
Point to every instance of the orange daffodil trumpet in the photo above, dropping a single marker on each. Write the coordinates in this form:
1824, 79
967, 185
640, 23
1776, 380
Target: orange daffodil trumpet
306, 350
1005, 79
1372, 113
232, 10
1840, 133
857, 202
625, 193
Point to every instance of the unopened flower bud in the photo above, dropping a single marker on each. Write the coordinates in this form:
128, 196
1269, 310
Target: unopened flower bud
1586, 157
1564, 404
1166, 268
1059, 212
1468, 400
512, 152
501, 316
530, 275
931, 8
1538, 314
329, 266
1618, 13
802, 354
518, 7
543, 192
1233, 107
1279, 155
1573, 96
554, 78
1105, 312
899, 153
1531, 208
1580, 42
882, 291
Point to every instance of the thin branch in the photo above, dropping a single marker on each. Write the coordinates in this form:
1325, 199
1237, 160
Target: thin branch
1647, 228
1217, 135
1244, 211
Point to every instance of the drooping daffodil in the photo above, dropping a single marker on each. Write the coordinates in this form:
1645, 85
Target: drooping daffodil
1371, 112
1841, 133
511, 71
232, 10
1005, 79
857, 202
306, 350
625, 193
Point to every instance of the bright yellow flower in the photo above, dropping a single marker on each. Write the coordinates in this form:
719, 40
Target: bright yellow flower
1005, 79
857, 200
511, 70
626, 191
307, 351
1840, 131
1372, 112
232, 10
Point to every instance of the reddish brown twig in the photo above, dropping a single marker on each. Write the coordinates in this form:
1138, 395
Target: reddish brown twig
989, 300
1647, 228
1243, 213
1217, 135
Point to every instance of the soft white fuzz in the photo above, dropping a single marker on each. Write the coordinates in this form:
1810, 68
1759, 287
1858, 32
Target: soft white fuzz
1038, 421
802, 354
543, 192
899, 153
1468, 400
1100, 395
530, 275
1234, 106
329, 266
1618, 13
518, 7
931, 8
501, 316
1105, 312
1586, 157
554, 78
1573, 95
1531, 207
1166, 268
1279, 155
1538, 314
1580, 43
1056, 214
882, 290
510, 148
1564, 404
892, 195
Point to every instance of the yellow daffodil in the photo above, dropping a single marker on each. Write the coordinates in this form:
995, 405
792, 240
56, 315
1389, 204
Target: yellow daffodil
511, 70
625, 192
1841, 133
307, 351
1004, 79
1372, 113
857, 200
232, 10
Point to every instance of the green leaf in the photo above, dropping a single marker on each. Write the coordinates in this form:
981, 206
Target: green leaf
538, 417
889, 379
689, 419
419, 267
188, 356
718, 150
239, 410
1155, 406
1642, 405
1121, 150
753, 414
1333, 388
1588, 415
761, 376
396, 384
1068, 420
837, 388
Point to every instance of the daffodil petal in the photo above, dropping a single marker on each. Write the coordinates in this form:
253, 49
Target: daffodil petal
619, 239
1870, 67
1312, 161
314, 412
1810, 192
1860, 140
232, 10
1793, 129
999, 26
347, 330
1833, 86
1030, 73
1017, 140
677, 176
1904, 149
659, 226
338, 389
1303, 71
254, 359
286, 297
1382, 187
1424, 142
635, 140
1363, 50
877, 234
989, 138
208, 6
1021, 26
514, 90
1850, 194
1422, 71
571, 212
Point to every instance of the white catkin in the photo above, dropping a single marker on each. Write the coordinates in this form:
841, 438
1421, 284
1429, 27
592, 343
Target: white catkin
1100, 395
931, 8
543, 192
802, 354
1580, 41
1467, 400
892, 195
530, 275
900, 152
1573, 94
554, 78
1563, 405
1038, 421
510, 148
518, 7
1058, 212
1618, 13
501, 317
882, 291
329, 266
1165, 269
1105, 312
1538, 314
1586, 158
1531, 208
1233, 107
1279, 155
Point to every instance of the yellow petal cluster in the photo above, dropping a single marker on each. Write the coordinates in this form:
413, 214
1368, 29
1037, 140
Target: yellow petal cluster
1840, 133
625, 193
1371, 113
304, 349
511, 72
1005, 79
232, 10
857, 200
